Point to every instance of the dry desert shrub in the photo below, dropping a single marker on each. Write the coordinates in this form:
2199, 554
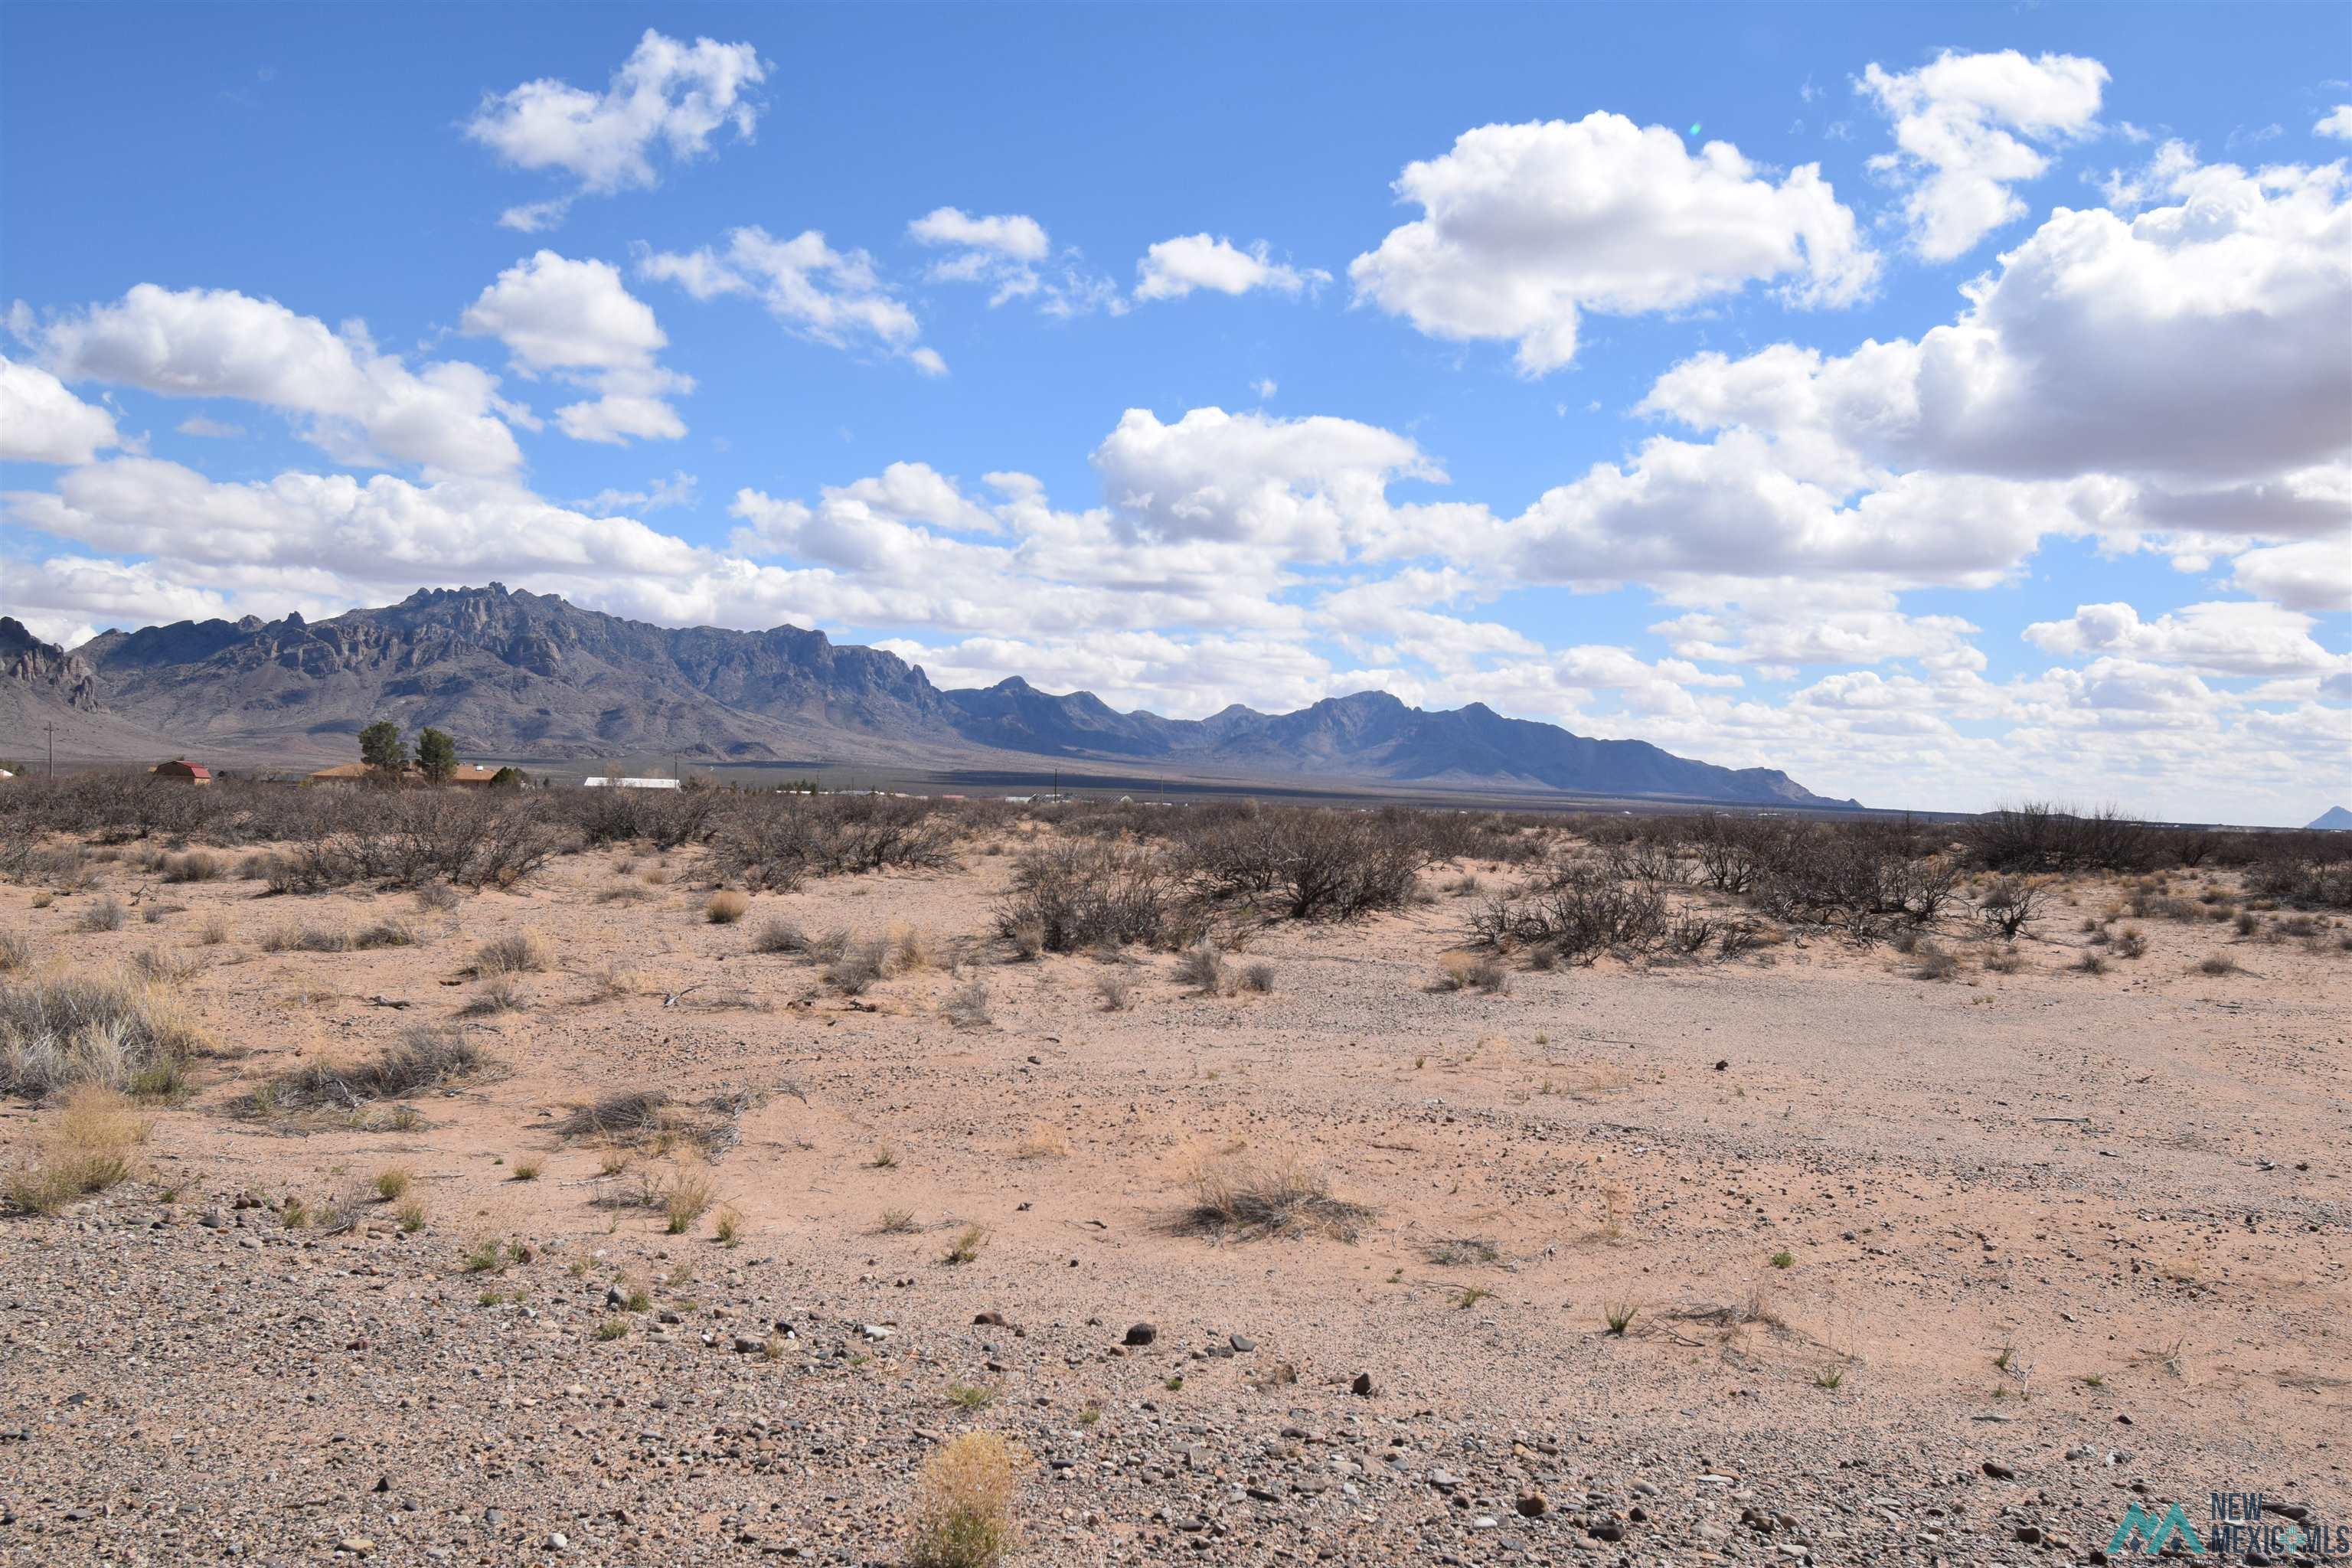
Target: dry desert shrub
15, 953
85, 1149
1258, 977
1459, 1252
861, 964
1203, 969
652, 1121
725, 908
214, 932
1117, 990
195, 866
1042, 1143
104, 914
517, 952
1932, 963
780, 935
1583, 914
498, 993
307, 938
910, 950
963, 1504
119, 1031
2008, 906
385, 932
436, 897
1245, 1198
1075, 896
426, 1057
967, 1008
1463, 971
1309, 863
162, 968
612, 982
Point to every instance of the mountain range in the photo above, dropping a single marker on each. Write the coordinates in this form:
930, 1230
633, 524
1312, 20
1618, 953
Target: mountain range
530, 677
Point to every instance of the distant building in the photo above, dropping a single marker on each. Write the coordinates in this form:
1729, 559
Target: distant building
179, 770
628, 784
472, 775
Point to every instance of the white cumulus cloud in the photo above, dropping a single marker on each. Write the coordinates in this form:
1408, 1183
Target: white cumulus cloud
1526, 228
1172, 268
358, 404
832, 297
667, 95
1961, 129
42, 421
577, 320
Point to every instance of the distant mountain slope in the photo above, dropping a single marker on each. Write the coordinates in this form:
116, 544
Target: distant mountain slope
519, 675
2334, 818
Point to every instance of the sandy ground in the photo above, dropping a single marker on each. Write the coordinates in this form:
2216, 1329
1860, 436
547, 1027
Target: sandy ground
1920, 1271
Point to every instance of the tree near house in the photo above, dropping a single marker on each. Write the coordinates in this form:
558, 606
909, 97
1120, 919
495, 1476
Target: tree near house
382, 749
437, 756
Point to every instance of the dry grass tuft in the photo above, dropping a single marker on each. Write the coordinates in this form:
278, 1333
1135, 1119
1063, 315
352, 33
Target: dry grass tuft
963, 1504
612, 982
685, 1198
105, 914
1465, 971
780, 935
725, 908
517, 952
426, 1057
121, 1031
498, 993
1237, 1196
1203, 970
967, 1007
85, 1149
652, 1121
1042, 1143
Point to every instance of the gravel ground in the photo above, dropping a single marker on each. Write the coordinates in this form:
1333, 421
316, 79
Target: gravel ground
1919, 1272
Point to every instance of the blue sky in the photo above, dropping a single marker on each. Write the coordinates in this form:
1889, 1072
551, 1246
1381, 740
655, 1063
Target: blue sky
1944, 404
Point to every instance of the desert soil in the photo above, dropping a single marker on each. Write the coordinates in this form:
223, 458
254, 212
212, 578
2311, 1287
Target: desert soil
1919, 1271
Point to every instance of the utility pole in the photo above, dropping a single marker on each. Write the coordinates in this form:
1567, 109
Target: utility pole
52, 730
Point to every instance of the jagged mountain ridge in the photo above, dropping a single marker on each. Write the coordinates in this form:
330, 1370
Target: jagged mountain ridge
529, 676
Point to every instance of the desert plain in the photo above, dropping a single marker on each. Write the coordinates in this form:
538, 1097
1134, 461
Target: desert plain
1918, 1246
